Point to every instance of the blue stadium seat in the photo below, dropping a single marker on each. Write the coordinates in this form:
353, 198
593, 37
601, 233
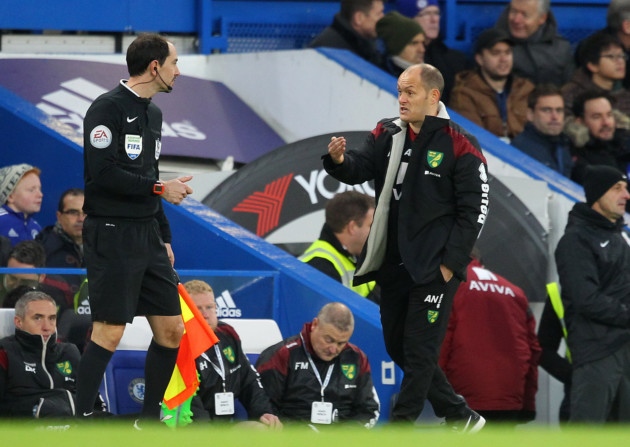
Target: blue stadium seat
123, 383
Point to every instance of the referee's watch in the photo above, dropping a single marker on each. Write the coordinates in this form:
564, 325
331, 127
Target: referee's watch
158, 188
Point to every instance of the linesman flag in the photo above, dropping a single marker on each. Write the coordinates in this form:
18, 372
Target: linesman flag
198, 338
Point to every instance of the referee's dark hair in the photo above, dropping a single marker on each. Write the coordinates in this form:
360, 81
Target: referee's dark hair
144, 49
346, 207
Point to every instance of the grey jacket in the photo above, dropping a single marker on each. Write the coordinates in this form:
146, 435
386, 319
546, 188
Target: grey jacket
543, 57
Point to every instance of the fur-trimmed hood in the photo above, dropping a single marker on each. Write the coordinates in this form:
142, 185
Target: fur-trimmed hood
578, 132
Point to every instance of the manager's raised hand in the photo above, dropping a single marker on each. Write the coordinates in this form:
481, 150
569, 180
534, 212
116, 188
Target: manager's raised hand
336, 149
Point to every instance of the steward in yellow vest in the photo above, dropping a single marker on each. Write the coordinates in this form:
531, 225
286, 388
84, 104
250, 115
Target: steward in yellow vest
344, 267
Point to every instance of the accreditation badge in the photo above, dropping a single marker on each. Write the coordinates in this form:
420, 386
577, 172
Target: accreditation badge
321, 412
223, 404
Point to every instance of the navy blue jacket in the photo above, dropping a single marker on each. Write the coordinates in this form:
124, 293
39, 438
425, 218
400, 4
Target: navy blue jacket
552, 151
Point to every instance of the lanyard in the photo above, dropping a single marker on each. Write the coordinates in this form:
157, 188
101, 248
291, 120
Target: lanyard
219, 369
316, 371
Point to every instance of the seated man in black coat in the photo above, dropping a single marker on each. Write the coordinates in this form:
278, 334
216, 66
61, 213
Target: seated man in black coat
354, 28
37, 374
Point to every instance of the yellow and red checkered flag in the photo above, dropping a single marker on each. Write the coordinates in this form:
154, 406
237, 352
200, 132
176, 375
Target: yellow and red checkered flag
198, 338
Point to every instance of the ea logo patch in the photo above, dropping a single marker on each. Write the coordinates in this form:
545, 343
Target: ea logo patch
136, 389
101, 137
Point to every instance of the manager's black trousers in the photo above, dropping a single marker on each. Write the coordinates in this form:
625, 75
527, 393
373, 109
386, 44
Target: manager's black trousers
414, 319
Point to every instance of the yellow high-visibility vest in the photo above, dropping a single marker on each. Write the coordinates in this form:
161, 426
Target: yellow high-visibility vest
556, 302
344, 266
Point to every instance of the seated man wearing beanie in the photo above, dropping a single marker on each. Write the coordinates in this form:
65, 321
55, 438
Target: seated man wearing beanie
593, 259
20, 198
404, 41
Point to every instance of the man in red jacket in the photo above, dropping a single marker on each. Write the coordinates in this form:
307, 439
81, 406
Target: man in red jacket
490, 353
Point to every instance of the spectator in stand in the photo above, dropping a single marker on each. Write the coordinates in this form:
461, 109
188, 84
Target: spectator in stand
617, 25
224, 370
540, 53
21, 197
349, 216
447, 60
404, 42
494, 366
596, 135
354, 28
603, 69
593, 260
491, 96
37, 373
543, 137
63, 242
318, 377
31, 255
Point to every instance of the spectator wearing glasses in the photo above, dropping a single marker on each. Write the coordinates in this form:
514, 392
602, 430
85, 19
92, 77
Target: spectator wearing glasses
617, 25
603, 69
63, 241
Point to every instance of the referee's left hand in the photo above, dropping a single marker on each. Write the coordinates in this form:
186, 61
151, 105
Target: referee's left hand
177, 190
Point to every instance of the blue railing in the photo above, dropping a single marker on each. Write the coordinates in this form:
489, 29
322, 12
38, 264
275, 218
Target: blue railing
243, 285
245, 26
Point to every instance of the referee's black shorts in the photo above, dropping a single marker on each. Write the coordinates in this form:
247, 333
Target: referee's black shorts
128, 270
